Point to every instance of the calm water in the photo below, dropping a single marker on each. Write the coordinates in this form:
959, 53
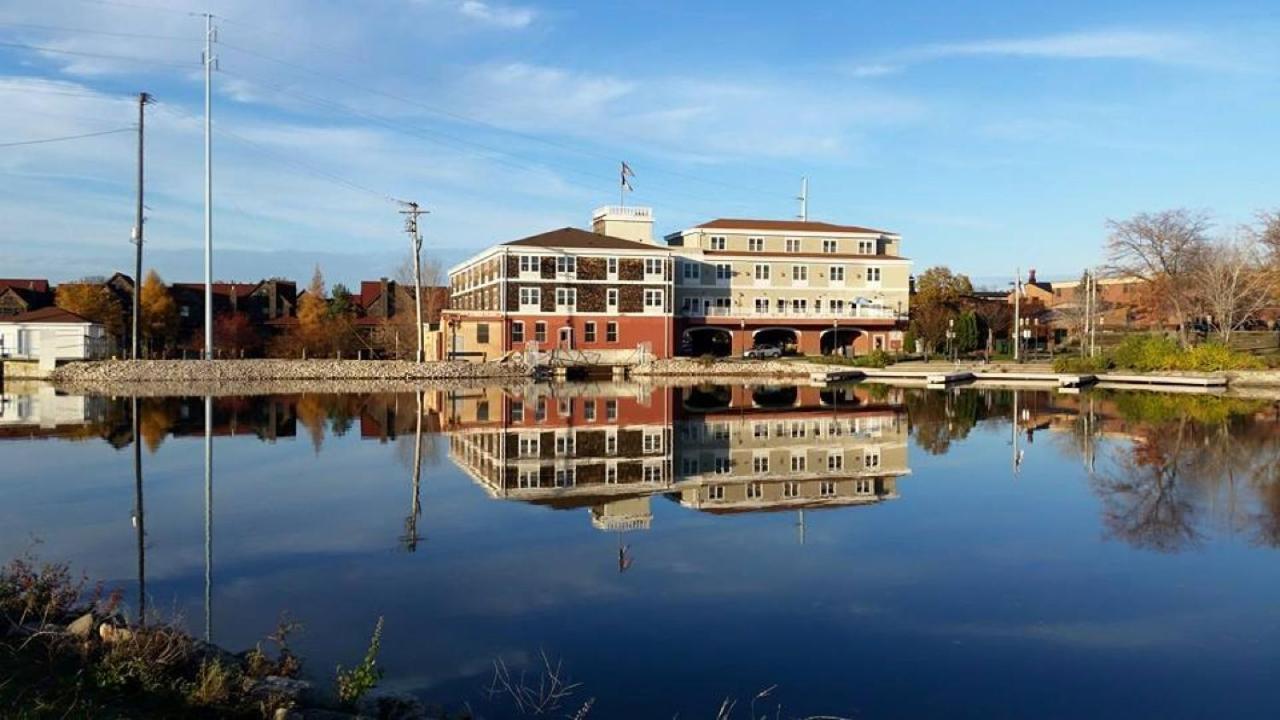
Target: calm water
872, 552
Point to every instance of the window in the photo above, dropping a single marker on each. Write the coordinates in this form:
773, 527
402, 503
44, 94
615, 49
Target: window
611, 298
517, 411
798, 429
863, 487
540, 331
611, 443
185, 311
566, 477
611, 473
564, 445
531, 297
760, 430
611, 266
871, 459
791, 489
835, 461
482, 411
799, 305
724, 271
800, 273
830, 246
653, 473
482, 333
540, 410
529, 263
793, 245
611, 410
837, 273
827, 488
653, 266
653, 299
755, 491
762, 306
866, 247
529, 446
589, 410
652, 441
566, 264
873, 274
517, 331
837, 306
798, 463
565, 406
755, 244
722, 466
760, 464
762, 272
690, 466
715, 492
527, 479
589, 332
717, 242
566, 298
611, 332
691, 270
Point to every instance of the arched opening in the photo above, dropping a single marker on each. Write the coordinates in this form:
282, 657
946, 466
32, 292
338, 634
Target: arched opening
775, 396
701, 341
839, 341
844, 397
708, 398
786, 338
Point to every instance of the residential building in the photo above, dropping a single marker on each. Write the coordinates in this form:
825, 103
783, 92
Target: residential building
52, 335
22, 295
812, 287
605, 294
386, 316
268, 303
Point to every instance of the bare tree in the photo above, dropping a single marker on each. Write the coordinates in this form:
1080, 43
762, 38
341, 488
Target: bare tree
1234, 282
1168, 247
1267, 233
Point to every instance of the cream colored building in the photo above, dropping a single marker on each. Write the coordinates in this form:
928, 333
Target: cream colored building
814, 287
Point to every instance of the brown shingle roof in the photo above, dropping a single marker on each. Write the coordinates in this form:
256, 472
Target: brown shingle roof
573, 238
785, 225
36, 284
49, 315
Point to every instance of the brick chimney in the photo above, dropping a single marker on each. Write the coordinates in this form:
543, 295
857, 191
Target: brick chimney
1031, 276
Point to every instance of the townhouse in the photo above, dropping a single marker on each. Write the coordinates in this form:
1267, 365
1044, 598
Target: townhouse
605, 294
812, 287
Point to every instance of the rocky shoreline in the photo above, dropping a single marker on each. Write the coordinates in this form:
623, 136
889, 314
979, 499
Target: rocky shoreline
191, 371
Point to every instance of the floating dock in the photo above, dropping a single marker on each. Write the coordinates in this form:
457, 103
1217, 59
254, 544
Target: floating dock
937, 378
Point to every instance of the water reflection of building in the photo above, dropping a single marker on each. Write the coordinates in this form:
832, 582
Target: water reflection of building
43, 411
610, 448
606, 448
763, 448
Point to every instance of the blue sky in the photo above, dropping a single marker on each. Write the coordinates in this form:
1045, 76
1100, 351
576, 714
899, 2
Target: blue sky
990, 134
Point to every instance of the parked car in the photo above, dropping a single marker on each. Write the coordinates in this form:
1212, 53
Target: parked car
764, 352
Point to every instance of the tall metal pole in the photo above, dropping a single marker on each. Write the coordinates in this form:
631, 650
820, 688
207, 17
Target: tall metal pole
143, 99
139, 516
804, 199
208, 186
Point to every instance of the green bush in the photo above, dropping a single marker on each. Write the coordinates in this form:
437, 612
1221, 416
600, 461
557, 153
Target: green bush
874, 359
1081, 365
1152, 353
353, 684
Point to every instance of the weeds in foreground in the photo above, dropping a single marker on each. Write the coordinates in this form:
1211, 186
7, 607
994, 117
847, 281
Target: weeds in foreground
353, 684
545, 693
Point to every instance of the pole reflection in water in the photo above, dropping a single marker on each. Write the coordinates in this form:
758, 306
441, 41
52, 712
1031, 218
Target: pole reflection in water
139, 515
411, 537
208, 518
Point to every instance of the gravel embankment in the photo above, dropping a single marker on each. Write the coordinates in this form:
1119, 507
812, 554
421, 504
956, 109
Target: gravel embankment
684, 367
185, 371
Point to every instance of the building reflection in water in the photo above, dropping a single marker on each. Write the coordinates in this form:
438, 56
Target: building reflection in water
711, 448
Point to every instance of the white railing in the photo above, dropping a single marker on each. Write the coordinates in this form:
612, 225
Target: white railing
639, 213
855, 313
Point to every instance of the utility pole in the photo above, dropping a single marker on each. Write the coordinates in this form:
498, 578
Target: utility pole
803, 197
1093, 314
1017, 315
143, 99
415, 238
210, 37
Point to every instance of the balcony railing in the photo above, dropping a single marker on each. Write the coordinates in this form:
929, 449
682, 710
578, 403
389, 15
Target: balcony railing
851, 313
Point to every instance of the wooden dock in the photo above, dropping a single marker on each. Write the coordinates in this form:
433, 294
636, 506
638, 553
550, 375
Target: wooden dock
942, 378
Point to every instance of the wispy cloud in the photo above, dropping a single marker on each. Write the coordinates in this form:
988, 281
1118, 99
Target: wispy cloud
1163, 47
499, 15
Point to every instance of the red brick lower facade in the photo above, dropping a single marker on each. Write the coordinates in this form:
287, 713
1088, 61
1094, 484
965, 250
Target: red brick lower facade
805, 337
594, 333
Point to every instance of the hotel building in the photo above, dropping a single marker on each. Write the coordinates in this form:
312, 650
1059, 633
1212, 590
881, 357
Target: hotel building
605, 294
812, 287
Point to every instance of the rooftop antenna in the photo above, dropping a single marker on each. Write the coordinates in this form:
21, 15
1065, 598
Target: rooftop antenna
803, 197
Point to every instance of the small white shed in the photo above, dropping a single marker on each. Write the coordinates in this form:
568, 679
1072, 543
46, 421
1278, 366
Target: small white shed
52, 335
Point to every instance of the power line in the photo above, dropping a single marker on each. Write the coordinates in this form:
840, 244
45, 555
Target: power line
106, 33
67, 137
101, 56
